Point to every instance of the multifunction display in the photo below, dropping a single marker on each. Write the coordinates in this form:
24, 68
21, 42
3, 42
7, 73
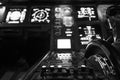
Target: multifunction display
40, 15
16, 15
86, 13
64, 44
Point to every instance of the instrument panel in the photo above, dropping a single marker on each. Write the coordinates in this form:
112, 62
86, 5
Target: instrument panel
40, 14
44, 14
71, 25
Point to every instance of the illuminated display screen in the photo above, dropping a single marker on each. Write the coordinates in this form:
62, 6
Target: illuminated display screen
2, 12
88, 33
87, 13
40, 15
63, 44
16, 15
63, 10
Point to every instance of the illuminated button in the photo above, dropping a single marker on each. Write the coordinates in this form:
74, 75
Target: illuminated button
69, 35
57, 9
68, 32
82, 39
52, 66
81, 35
98, 36
80, 28
84, 42
83, 66
68, 29
43, 66
59, 66
58, 15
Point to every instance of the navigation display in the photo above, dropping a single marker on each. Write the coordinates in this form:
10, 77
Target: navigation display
86, 13
88, 33
40, 15
16, 15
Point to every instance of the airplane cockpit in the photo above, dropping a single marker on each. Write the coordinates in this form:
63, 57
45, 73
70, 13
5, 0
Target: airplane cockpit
60, 40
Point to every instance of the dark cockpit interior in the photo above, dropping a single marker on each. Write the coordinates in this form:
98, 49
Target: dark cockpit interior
59, 40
